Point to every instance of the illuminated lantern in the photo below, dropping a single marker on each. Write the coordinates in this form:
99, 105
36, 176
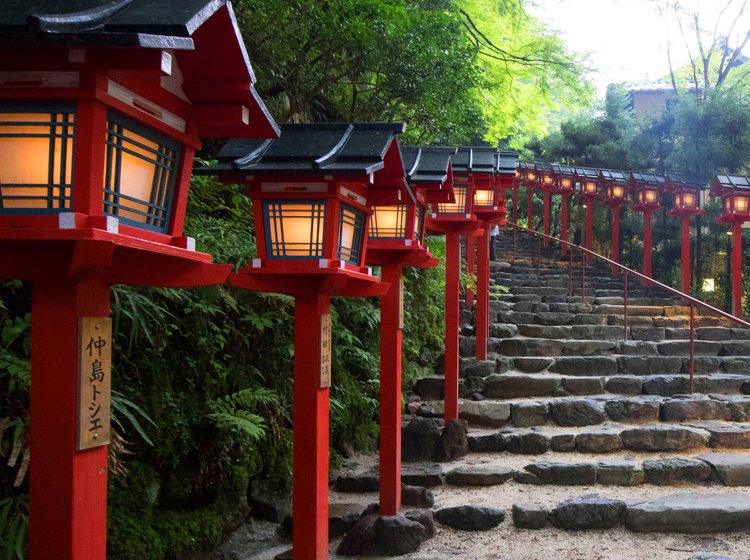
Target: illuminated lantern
615, 186
587, 179
312, 192
546, 181
530, 180
646, 189
734, 191
564, 186
686, 194
505, 174
101, 111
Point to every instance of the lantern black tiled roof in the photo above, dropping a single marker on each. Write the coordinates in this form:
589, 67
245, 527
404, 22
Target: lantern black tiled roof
673, 180
587, 172
145, 23
506, 162
559, 169
427, 164
732, 181
335, 148
474, 159
646, 179
612, 176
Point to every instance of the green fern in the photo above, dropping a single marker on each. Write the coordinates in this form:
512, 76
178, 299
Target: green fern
14, 521
234, 412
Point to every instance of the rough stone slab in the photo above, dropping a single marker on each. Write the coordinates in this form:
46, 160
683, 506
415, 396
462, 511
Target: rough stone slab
666, 385
665, 472
478, 475
532, 365
430, 388
648, 365
427, 475
736, 348
513, 318
476, 368
736, 364
716, 333
587, 512
470, 518
597, 332
589, 319
564, 474
528, 413
509, 386
740, 409
529, 443
543, 331
583, 385
584, 365
530, 307
619, 472
720, 383
529, 516
503, 330
552, 318
633, 411
358, 482
417, 496
691, 513
700, 347
487, 443
633, 310
619, 320
598, 442
624, 385
530, 347
702, 364
681, 410
652, 334
563, 442
568, 412
588, 347
733, 437
731, 469
637, 348
467, 346
664, 438
492, 414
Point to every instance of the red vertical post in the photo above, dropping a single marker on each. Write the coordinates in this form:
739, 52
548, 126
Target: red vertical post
483, 294
68, 488
530, 210
589, 228
390, 392
514, 210
692, 347
470, 250
547, 205
647, 270
616, 237
686, 254
737, 269
311, 439
564, 224
452, 263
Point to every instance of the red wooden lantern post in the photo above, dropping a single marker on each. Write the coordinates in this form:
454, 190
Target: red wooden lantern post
546, 181
517, 177
96, 149
587, 181
311, 190
646, 191
686, 193
529, 179
564, 186
454, 219
396, 240
489, 207
615, 188
734, 191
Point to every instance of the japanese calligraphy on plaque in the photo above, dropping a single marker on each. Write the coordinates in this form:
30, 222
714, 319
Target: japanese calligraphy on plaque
325, 350
401, 303
94, 381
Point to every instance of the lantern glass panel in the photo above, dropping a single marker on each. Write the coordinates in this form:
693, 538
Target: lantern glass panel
351, 233
648, 196
294, 228
589, 187
617, 192
419, 225
36, 159
548, 180
531, 176
689, 200
388, 222
740, 203
457, 207
139, 175
484, 197
565, 183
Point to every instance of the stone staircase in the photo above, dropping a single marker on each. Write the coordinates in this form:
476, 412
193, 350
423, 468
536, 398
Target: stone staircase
565, 401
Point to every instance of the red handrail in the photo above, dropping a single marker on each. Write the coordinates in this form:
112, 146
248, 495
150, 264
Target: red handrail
627, 271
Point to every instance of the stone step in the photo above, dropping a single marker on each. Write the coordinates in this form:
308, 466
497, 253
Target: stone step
567, 314
613, 437
588, 410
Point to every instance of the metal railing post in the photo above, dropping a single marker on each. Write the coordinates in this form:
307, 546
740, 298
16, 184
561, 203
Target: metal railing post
625, 306
692, 347
570, 274
538, 253
583, 276
515, 239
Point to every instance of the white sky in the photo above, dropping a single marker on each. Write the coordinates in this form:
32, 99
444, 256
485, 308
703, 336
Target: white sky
627, 39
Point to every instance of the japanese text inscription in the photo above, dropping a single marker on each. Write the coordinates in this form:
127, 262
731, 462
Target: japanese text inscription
325, 350
94, 381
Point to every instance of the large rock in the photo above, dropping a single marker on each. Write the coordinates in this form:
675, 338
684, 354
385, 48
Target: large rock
417, 496
691, 513
507, 386
666, 472
470, 518
624, 385
666, 385
553, 318
619, 472
587, 512
359, 538
562, 474
487, 442
428, 475
532, 365
529, 516
700, 347
732, 469
358, 482
478, 475
569, 412
476, 368
588, 347
663, 438
396, 535
420, 439
598, 442
503, 330
430, 388
526, 414
647, 365
530, 347
454, 441
733, 437
583, 385
485, 413
563, 442
425, 518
